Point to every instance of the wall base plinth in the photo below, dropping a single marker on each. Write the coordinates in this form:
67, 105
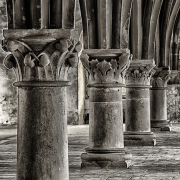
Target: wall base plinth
160, 125
106, 160
139, 139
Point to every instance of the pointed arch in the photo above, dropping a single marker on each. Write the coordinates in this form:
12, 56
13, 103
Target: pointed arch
169, 31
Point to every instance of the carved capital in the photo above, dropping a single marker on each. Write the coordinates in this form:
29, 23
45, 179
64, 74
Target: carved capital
175, 77
160, 77
140, 72
51, 63
105, 66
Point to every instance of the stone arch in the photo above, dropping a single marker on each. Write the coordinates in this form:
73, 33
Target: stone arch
170, 28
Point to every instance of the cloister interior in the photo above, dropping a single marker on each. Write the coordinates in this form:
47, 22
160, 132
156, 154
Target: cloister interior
90, 90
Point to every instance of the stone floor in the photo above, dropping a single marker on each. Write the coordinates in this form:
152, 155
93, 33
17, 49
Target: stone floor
161, 162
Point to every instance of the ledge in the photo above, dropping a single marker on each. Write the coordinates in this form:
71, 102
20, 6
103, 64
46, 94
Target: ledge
42, 84
23, 33
105, 53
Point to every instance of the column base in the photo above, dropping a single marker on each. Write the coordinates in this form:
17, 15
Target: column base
160, 125
139, 139
106, 159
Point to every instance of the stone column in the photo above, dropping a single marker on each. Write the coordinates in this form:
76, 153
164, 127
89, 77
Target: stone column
158, 99
106, 142
138, 129
41, 60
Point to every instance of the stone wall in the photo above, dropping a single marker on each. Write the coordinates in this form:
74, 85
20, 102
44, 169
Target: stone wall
8, 97
173, 102
8, 93
3, 24
72, 91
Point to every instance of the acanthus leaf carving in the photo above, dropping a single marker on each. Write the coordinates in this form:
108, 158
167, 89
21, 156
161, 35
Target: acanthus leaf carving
106, 71
161, 77
51, 64
103, 67
139, 73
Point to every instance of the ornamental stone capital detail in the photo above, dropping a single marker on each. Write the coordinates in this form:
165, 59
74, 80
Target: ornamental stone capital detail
174, 77
51, 64
37, 58
140, 72
106, 68
161, 77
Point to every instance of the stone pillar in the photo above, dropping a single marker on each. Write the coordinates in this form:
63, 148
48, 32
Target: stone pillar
106, 142
158, 99
41, 60
138, 129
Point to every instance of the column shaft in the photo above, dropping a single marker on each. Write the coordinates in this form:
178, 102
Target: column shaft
42, 134
138, 109
106, 122
158, 103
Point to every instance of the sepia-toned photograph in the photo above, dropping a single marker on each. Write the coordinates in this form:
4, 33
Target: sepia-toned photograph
90, 90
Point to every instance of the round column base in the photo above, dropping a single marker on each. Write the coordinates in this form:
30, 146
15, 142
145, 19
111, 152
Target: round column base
139, 139
160, 125
106, 160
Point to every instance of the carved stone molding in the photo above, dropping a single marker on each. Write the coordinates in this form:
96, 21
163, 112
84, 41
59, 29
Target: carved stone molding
140, 72
105, 68
52, 63
161, 77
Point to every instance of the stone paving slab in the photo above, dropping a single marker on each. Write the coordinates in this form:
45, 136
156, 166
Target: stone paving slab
161, 162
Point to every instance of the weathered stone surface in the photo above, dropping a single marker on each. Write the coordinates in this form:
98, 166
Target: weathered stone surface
158, 99
137, 109
159, 109
139, 139
42, 134
106, 119
106, 70
173, 99
140, 72
105, 160
138, 103
105, 66
3, 24
160, 77
8, 98
51, 64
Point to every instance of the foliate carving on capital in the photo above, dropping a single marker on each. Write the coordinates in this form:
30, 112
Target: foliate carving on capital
139, 74
161, 77
106, 71
51, 64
